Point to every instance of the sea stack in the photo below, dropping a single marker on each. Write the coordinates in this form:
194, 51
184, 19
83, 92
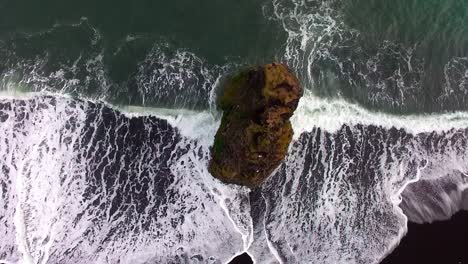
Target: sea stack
255, 131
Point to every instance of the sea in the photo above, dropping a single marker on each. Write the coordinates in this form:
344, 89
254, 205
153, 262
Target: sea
108, 112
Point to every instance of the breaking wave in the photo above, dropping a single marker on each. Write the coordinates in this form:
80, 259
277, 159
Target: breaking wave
99, 165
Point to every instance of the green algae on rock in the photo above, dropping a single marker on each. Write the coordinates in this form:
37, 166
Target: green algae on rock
255, 131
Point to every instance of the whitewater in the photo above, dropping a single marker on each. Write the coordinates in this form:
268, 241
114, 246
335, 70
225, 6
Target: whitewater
86, 178
85, 183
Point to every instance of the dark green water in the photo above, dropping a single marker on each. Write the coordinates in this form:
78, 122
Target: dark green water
124, 33
398, 56
214, 29
432, 23
437, 30
403, 56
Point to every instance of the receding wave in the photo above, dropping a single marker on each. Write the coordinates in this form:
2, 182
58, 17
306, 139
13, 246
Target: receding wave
86, 183
104, 151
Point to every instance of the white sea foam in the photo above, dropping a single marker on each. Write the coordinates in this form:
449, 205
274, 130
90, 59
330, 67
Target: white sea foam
331, 114
53, 213
309, 217
312, 113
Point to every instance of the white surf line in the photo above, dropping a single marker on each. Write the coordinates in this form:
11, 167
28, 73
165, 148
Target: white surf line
272, 248
328, 114
396, 199
331, 114
247, 239
312, 112
18, 220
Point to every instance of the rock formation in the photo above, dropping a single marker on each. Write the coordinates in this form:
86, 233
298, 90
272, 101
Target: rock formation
255, 131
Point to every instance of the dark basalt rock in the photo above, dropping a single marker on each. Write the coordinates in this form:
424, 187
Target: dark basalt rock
255, 130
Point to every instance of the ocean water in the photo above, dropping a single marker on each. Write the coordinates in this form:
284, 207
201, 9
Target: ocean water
108, 112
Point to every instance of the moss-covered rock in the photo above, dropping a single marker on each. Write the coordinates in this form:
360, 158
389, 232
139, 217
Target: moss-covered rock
255, 131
